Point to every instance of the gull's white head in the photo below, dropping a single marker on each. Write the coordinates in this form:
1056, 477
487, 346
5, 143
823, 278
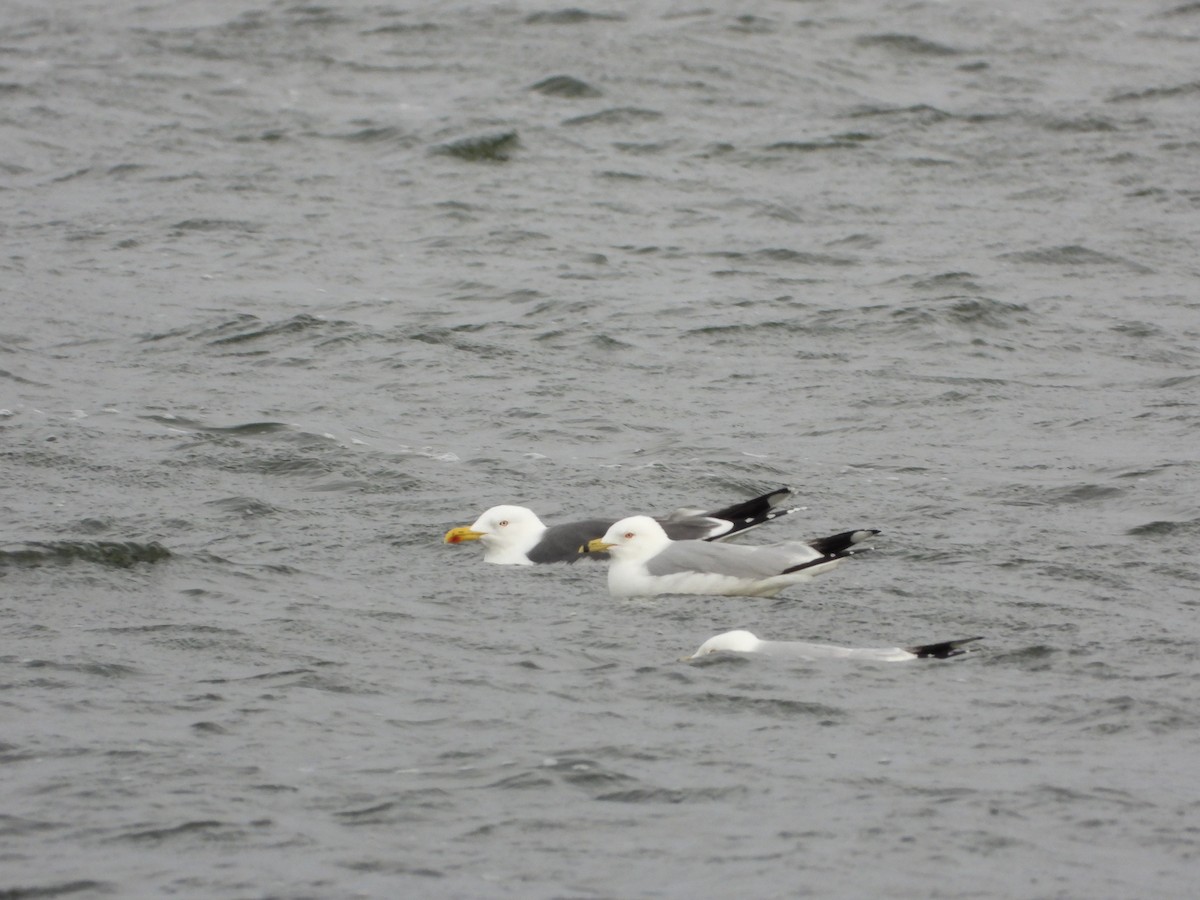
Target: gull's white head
507, 533
735, 641
637, 537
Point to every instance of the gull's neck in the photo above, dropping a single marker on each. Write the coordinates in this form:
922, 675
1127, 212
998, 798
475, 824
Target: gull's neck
512, 549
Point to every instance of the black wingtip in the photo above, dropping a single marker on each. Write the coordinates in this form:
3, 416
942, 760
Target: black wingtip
755, 511
944, 649
837, 543
845, 541
819, 561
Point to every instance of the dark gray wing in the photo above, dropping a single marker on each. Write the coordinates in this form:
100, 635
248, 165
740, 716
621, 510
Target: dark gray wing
730, 559
698, 525
561, 543
693, 528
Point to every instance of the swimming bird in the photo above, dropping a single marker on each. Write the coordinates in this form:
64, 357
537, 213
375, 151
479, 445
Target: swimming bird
745, 642
514, 535
646, 562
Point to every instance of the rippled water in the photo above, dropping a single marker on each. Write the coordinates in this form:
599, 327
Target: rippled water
290, 289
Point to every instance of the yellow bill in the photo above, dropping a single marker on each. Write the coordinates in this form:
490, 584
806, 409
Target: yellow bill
462, 533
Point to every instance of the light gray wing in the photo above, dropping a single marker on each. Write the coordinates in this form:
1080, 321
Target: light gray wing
729, 559
803, 650
561, 543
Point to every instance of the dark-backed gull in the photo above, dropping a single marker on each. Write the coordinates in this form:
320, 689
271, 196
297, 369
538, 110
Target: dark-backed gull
514, 535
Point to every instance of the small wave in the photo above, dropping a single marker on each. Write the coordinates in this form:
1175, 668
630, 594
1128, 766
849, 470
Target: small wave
370, 813
119, 554
104, 670
813, 146
772, 706
215, 225
392, 868
405, 28
450, 337
642, 148
1037, 655
1187, 9
482, 148
11, 376
275, 788
1084, 125
283, 673
604, 783
571, 16
578, 771
1071, 255
1156, 93
232, 335
923, 112
247, 507
582, 772
245, 429
15, 825
1034, 495
222, 327
1083, 493
376, 134
906, 43
1166, 528
1175, 381
29, 892
564, 86
522, 781
751, 24
330, 684
982, 311
404, 808
961, 281
624, 115
158, 835
252, 329
671, 795
742, 328
803, 258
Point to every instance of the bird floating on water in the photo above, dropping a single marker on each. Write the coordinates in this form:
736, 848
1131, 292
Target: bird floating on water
646, 562
746, 642
514, 535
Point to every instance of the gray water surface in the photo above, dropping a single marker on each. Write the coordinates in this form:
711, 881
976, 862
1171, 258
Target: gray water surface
290, 289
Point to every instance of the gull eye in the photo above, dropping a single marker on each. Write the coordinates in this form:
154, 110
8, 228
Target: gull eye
629, 535
503, 523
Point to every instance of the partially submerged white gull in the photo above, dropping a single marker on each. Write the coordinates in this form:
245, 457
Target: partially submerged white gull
746, 642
